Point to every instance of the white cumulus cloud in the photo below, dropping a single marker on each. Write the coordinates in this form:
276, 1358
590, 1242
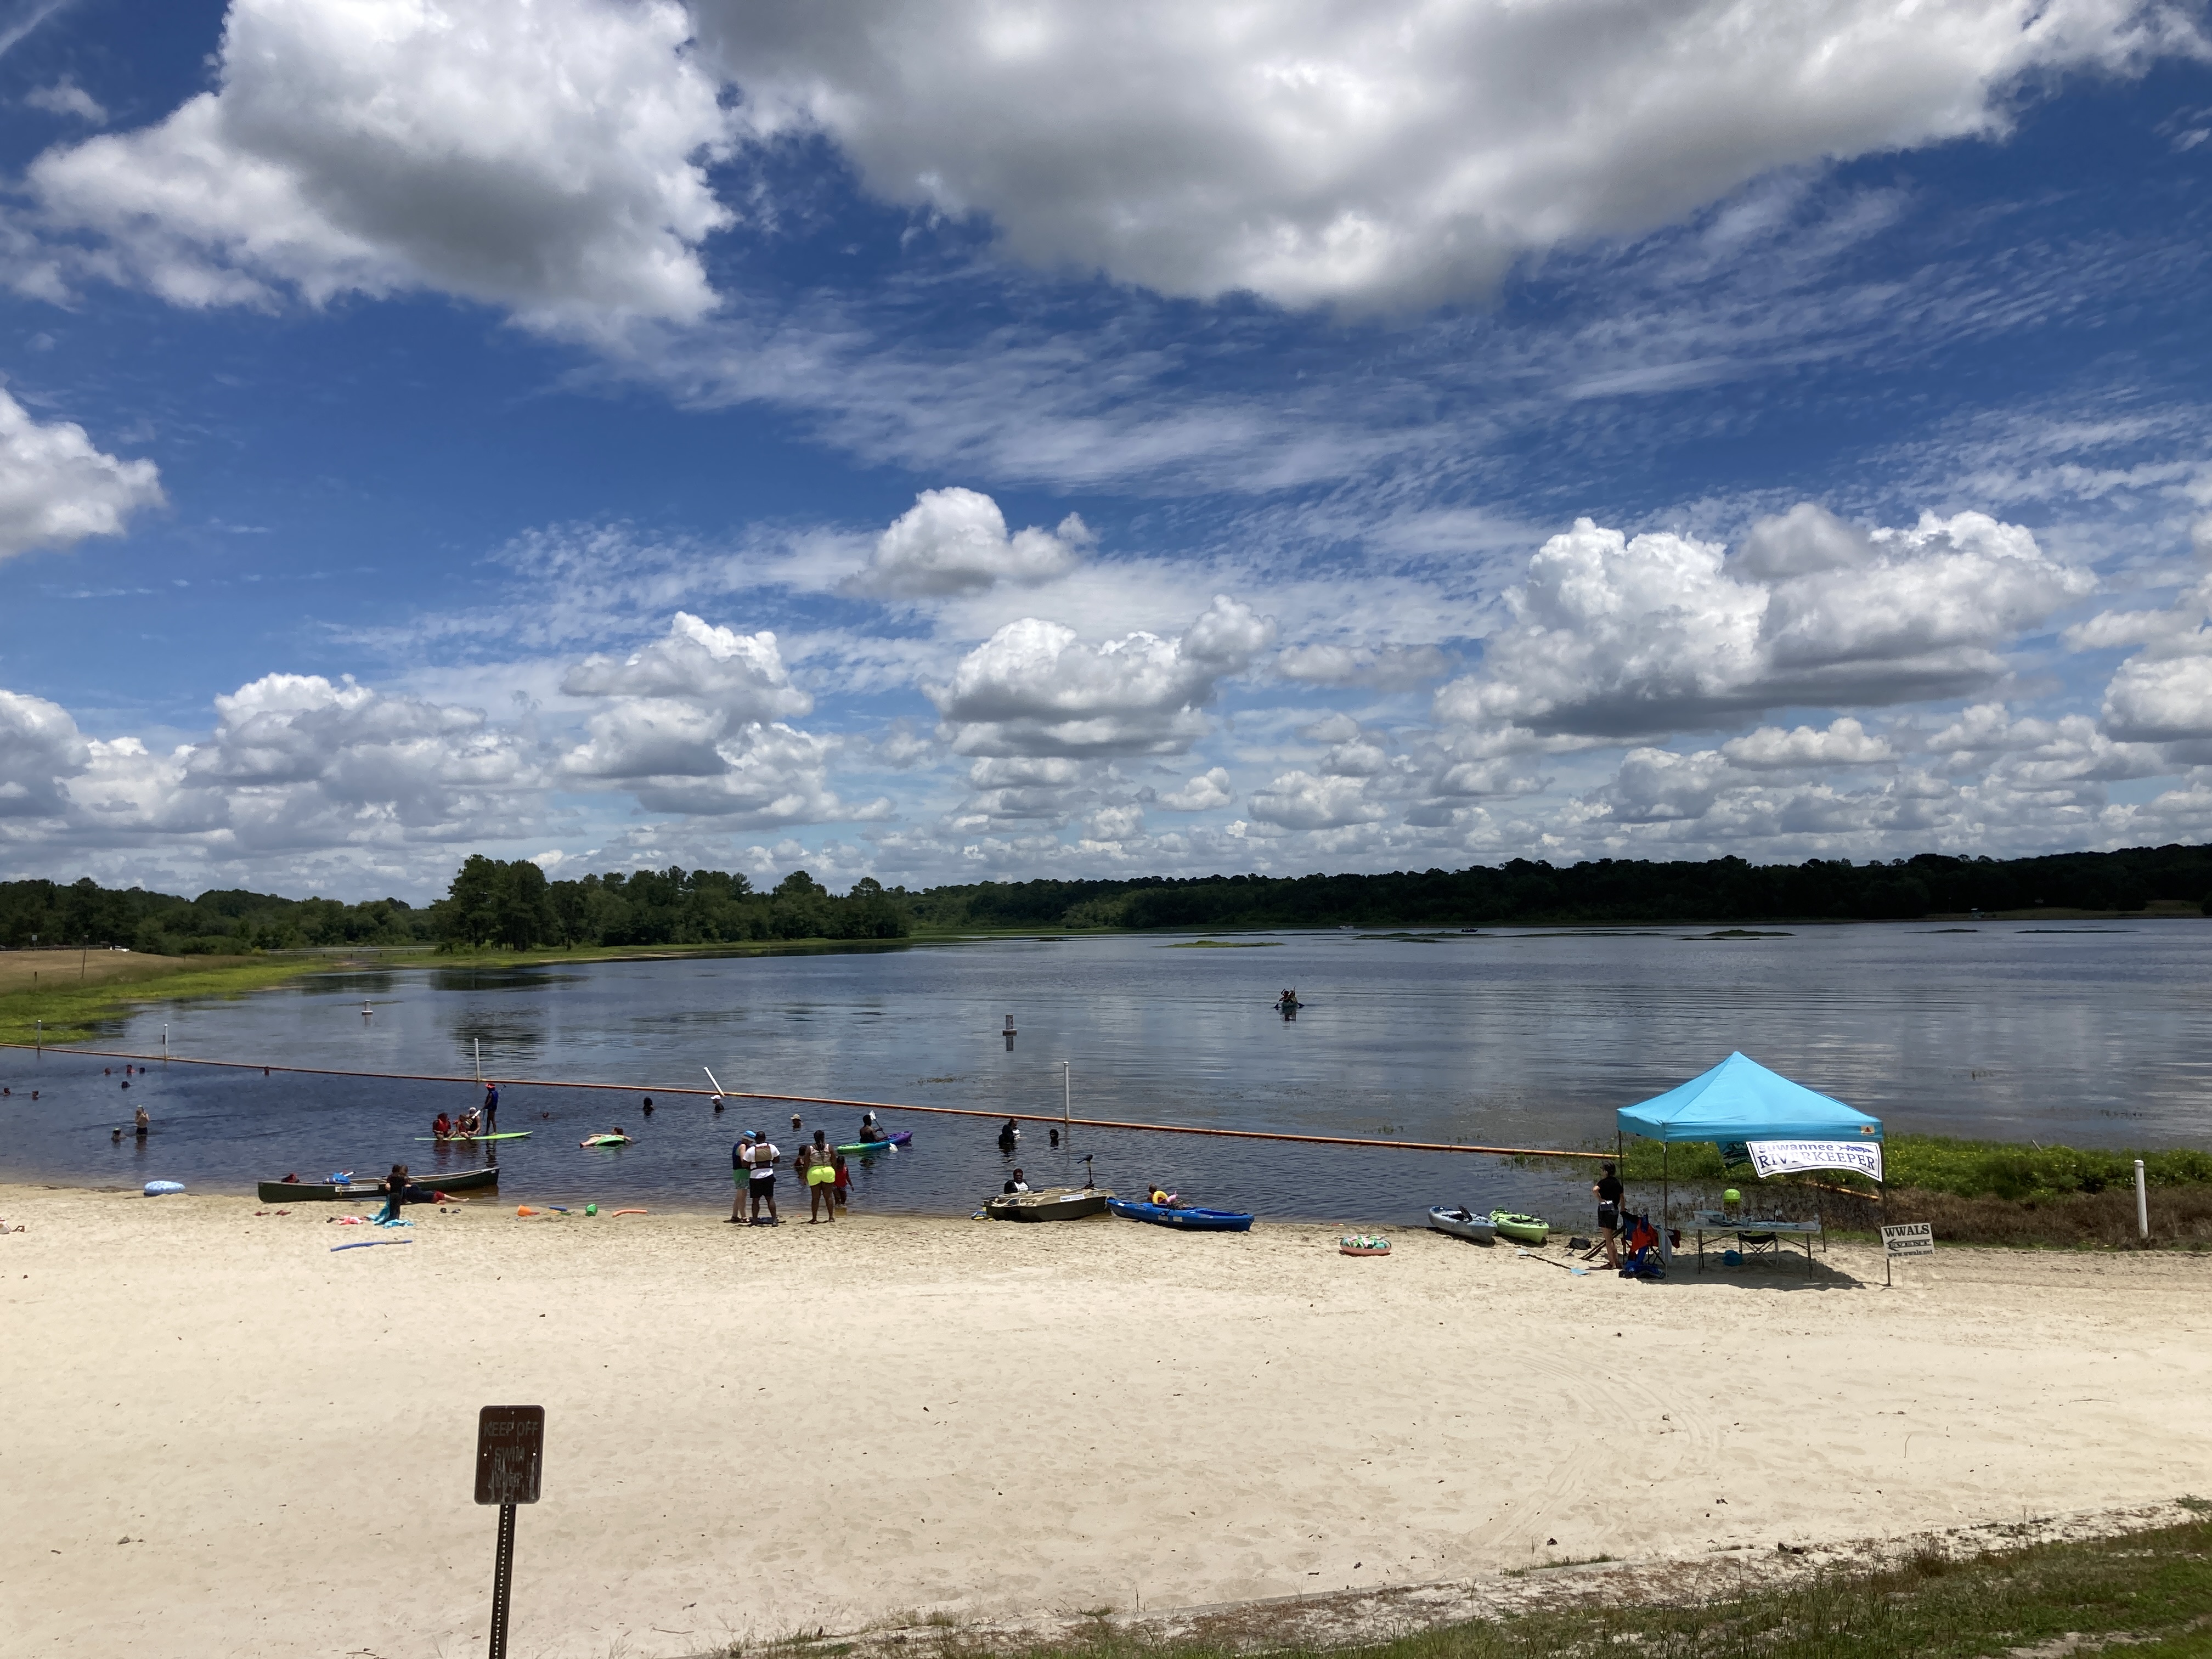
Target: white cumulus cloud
1203, 793
955, 541
694, 723
1615, 637
1843, 742
546, 158
1389, 154
56, 488
1034, 688
40, 747
1298, 799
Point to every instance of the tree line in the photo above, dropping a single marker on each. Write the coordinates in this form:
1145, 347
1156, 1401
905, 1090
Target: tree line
516, 905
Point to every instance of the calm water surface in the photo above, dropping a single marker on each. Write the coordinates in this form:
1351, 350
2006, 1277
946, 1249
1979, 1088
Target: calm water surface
2094, 1034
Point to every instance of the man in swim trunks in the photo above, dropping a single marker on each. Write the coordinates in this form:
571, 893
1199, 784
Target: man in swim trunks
740, 1172
760, 1186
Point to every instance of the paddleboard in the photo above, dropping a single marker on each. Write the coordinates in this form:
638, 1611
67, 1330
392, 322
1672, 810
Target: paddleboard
606, 1140
455, 1140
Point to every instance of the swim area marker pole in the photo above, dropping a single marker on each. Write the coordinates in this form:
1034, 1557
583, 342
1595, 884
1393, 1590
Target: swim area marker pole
869, 1105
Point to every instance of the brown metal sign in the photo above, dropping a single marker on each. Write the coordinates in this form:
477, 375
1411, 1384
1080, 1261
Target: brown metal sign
510, 1445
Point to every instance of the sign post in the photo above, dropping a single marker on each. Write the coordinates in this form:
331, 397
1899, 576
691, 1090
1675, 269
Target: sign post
1910, 1238
510, 1445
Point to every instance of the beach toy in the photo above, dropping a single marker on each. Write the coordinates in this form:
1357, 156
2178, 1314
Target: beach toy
591, 1209
369, 1244
1364, 1244
524, 1209
156, 1189
1731, 1196
630, 1212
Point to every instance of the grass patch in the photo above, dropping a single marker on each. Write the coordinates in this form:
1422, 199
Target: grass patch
1962, 1169
1974, 1192
2152, 1588
72, 1009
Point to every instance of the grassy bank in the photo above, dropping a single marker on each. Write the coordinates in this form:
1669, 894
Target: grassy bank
2026, 1173
74, 994
2145, 1594
72, 1009
1974, 1192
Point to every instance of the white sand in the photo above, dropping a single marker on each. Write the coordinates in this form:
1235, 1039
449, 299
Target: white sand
1001, 1418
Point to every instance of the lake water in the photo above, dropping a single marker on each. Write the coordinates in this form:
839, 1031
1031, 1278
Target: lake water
2097, 1035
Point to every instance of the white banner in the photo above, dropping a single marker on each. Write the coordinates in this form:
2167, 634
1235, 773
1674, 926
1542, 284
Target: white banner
1771, 1158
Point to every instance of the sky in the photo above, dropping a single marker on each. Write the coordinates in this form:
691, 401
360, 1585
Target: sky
972, 440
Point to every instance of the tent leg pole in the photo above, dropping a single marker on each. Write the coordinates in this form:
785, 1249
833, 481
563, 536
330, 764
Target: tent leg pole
1666, 1189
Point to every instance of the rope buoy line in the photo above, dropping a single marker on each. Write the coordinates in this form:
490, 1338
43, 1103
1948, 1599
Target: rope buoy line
866, 1105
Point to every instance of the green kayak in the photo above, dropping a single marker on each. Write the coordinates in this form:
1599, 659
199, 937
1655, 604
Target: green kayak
1528, 1229
863, 1148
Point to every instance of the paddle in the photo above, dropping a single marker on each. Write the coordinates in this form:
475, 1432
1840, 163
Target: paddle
1579, 1273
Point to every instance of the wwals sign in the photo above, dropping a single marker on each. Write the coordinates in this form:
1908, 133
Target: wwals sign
510, 1442
1912, 1238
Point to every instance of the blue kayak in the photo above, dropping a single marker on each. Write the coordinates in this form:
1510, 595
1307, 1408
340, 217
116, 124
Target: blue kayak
1190, 1221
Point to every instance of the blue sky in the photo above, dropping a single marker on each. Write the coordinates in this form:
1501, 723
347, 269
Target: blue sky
951, 440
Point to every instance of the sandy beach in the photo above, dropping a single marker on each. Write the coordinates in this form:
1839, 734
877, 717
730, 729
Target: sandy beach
755, 1432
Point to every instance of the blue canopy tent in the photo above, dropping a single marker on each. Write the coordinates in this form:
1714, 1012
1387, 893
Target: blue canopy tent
1739, 1100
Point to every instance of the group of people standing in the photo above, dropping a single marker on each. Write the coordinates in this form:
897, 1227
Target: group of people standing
819, 1166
